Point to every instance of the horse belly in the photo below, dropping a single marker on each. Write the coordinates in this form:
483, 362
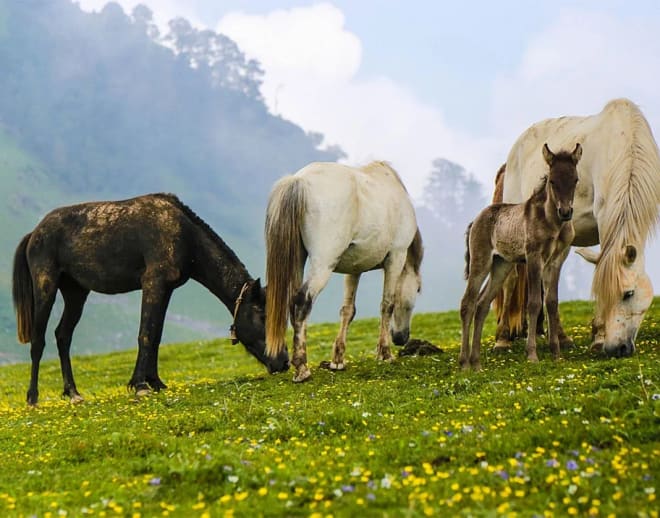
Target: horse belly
358, 258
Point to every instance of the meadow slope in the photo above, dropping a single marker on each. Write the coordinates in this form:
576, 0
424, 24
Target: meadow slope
415, 437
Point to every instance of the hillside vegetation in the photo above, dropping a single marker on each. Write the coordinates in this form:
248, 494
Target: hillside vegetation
415, 437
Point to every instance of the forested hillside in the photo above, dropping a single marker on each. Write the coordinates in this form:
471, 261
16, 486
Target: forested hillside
94, 106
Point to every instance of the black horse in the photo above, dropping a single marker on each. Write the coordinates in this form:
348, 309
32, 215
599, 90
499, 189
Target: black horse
154, 243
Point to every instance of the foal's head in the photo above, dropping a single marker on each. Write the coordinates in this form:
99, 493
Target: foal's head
250, 327
562, 179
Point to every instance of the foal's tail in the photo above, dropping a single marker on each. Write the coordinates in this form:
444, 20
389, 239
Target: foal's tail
285, 256
467, 250
518, 299
22, 292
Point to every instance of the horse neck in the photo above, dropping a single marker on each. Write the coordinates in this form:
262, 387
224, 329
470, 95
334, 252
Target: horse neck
539, 203
218, 269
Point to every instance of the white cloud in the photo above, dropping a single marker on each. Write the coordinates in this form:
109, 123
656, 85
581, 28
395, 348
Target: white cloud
311, 62
575, 66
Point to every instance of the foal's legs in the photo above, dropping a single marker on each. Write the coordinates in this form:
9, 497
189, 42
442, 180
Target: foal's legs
44, 289
556, 334
499, 271
478, 273
74, 296
317, 277
155, 299
347, 312
534, 301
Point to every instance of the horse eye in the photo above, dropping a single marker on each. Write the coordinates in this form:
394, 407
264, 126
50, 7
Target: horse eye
628, 294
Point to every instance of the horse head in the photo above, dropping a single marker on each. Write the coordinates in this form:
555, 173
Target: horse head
250, 327
562, 179
408, 286
621, 304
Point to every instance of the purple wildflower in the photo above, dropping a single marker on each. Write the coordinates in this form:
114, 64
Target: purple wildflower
571, 465
155, 481
552, 463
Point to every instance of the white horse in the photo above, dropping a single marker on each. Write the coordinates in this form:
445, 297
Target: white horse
345, 220
616, 205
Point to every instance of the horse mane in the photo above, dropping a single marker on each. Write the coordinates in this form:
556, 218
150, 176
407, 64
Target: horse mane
631, 198
498, 193
416, 252
539, 191
174, 200
376, 165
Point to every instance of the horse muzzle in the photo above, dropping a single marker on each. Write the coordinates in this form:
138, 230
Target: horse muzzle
400, 337
279, 364
565, 214
622, 350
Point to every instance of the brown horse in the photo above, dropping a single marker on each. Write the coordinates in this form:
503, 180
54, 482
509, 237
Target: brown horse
538, 232
154, 243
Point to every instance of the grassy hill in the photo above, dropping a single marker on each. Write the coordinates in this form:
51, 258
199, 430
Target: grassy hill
413, 437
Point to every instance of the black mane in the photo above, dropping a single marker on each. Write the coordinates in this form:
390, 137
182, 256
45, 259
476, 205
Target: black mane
174, 199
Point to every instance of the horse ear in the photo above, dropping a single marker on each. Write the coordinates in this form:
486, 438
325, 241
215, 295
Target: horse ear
630, 254
548, 155
256, 288
588, 255
577, 153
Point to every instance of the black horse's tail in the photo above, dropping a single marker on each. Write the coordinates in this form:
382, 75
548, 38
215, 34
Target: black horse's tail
467, 250
22, 292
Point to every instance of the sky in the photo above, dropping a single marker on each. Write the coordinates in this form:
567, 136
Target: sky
411, 81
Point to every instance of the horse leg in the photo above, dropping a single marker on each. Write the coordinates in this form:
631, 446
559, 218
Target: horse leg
346, 313
499, 271
478, 272
44, 291
534, 301
301, 306
392, 268
74, 296
152, 377
557, 338
155, 299
503, 335
550, 282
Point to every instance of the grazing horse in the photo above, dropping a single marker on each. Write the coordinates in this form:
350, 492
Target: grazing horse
538, 232
346, 220
616, 205
154, 243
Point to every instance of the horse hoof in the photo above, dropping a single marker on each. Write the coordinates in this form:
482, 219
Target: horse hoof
142, 392
597, 347
533, 358
567, 344
337, 366
76, 399
303, 374
501, 347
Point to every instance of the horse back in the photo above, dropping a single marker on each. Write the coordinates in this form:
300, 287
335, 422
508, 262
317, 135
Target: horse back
106, 246
355, 216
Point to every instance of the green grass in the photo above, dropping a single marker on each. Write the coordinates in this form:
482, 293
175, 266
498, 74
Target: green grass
413, 437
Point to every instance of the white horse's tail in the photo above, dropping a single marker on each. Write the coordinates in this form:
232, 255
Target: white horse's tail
285, 256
